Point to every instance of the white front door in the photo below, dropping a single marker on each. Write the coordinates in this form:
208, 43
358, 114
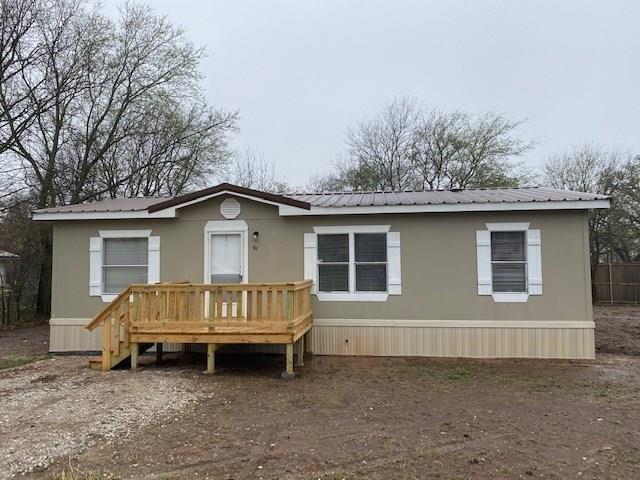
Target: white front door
226, 258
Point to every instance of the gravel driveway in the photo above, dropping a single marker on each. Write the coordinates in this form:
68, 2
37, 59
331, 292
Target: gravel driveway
58, 407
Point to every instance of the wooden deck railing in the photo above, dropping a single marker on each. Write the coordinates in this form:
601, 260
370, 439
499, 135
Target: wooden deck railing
199, 307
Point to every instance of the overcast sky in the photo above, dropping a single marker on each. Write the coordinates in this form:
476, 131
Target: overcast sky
301, 72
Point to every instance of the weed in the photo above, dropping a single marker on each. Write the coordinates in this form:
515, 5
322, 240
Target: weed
506, 470
74, 473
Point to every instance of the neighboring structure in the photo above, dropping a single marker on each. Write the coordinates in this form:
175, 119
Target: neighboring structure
470, 273
5, 258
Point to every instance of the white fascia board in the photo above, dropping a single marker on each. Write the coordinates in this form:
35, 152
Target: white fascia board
288, 211
100, 215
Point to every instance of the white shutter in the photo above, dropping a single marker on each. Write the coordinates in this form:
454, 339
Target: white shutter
394, 263
534, 262
483, 247
95, 266
154, 259
310, 259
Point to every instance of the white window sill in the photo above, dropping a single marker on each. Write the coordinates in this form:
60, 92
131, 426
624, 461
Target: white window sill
510, 297
108, 298
353, 297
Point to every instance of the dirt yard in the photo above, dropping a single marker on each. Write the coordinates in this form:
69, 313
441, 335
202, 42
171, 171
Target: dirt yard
374, 418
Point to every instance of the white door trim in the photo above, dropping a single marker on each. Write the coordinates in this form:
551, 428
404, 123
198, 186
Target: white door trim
225, 227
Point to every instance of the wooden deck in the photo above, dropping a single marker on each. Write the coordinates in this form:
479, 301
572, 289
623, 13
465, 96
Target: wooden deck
212, 314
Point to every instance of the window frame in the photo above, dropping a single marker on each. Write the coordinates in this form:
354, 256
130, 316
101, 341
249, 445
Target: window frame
524, 262
393, 271
347, 263
104, 267
352, 241
351, 264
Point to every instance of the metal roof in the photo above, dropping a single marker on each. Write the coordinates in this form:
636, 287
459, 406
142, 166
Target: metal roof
318, 201
444, 197
136, 204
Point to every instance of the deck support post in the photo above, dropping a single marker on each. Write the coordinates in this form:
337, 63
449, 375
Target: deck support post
159, 352
106, 345
308, 342
300, 352
134, 355
211, 358
288, 373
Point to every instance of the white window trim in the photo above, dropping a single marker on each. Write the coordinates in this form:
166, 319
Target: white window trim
534, 262
394, 286
352, 229
96, 262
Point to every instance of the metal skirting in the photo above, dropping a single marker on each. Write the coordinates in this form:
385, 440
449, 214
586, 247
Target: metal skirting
472, 342
70, 335
544, 339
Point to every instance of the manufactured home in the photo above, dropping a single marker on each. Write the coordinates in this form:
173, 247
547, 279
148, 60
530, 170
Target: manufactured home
479, 273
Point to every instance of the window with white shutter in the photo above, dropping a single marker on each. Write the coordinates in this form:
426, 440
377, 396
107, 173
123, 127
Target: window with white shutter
509, 262
119, 258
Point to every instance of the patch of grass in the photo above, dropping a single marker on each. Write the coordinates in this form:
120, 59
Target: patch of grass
470, 374
630, 459
19, 361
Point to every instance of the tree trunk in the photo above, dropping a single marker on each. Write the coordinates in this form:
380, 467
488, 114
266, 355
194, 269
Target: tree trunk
43, 299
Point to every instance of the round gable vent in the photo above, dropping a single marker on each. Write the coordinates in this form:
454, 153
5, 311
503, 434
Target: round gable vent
230, 208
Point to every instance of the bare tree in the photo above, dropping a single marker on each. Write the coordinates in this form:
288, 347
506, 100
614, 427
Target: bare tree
97, 88
92, 107
614, 233
408, 146
251, 170
177, 148
379, 149
19, 236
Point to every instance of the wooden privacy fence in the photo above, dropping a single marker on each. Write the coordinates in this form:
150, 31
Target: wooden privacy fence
617, 283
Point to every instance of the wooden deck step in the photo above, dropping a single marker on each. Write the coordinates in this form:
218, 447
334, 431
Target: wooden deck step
96, 362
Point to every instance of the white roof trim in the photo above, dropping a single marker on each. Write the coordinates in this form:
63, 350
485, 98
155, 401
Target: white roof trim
217, 194
288, 211
169, 212
100, 215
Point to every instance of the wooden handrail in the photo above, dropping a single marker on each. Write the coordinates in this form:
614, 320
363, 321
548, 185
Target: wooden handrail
108, 310
269, 295
238, 286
